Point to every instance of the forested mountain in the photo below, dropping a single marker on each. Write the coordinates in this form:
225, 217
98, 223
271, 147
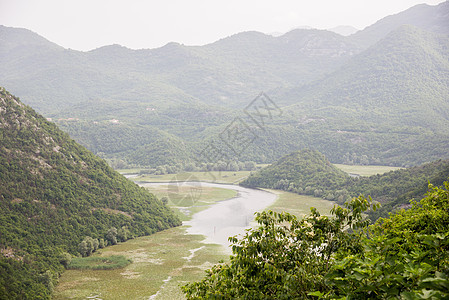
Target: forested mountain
144, 146
430, 18
395, 189
400, 81
384, 106
309, 172
386, 102
303, 172
228, 72
376, 97
54, 193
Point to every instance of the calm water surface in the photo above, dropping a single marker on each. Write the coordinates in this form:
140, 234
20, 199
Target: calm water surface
229, 217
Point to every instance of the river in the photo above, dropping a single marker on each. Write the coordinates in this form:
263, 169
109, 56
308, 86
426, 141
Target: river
229, 217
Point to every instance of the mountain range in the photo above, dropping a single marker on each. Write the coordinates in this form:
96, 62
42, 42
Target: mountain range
377, 96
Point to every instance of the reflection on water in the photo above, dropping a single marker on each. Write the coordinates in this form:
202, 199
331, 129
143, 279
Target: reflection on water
230, 217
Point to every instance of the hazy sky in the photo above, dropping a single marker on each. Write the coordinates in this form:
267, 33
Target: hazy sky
88, 24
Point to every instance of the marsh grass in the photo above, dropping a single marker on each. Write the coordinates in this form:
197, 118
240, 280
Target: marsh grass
99, 263
299, 205
159, 266
365, 170
214, 176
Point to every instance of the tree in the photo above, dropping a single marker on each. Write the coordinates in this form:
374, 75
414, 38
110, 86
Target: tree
47, 279
88, 246
101, 243
123, 234
111, 236
65, 259
164, 200
250, 165
83, 248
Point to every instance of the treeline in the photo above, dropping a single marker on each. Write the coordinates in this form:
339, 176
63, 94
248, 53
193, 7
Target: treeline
89, 245
127, 145
54, 194
310, 173
201, 167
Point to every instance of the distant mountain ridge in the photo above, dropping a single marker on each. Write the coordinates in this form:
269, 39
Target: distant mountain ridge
362, 88
430, 18
221, 73
344, 30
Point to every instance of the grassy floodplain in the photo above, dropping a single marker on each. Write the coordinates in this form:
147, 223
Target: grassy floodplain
299, 205
232, 177
365, 170
160, 264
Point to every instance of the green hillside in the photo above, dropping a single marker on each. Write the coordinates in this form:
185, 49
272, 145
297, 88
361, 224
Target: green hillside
389, 103
303, 172
54, 193
309, 172
400, 81
395, 189
135, 145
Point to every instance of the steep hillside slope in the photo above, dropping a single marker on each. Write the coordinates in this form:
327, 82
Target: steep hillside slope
430, 18
142, 146
53, 193
387, 103
403, 80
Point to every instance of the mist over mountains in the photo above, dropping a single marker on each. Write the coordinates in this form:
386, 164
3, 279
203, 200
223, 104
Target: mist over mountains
377, 96
299, 102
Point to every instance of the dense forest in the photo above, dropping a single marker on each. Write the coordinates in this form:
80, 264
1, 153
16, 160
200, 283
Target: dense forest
303, 172
308, 172
54, 196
